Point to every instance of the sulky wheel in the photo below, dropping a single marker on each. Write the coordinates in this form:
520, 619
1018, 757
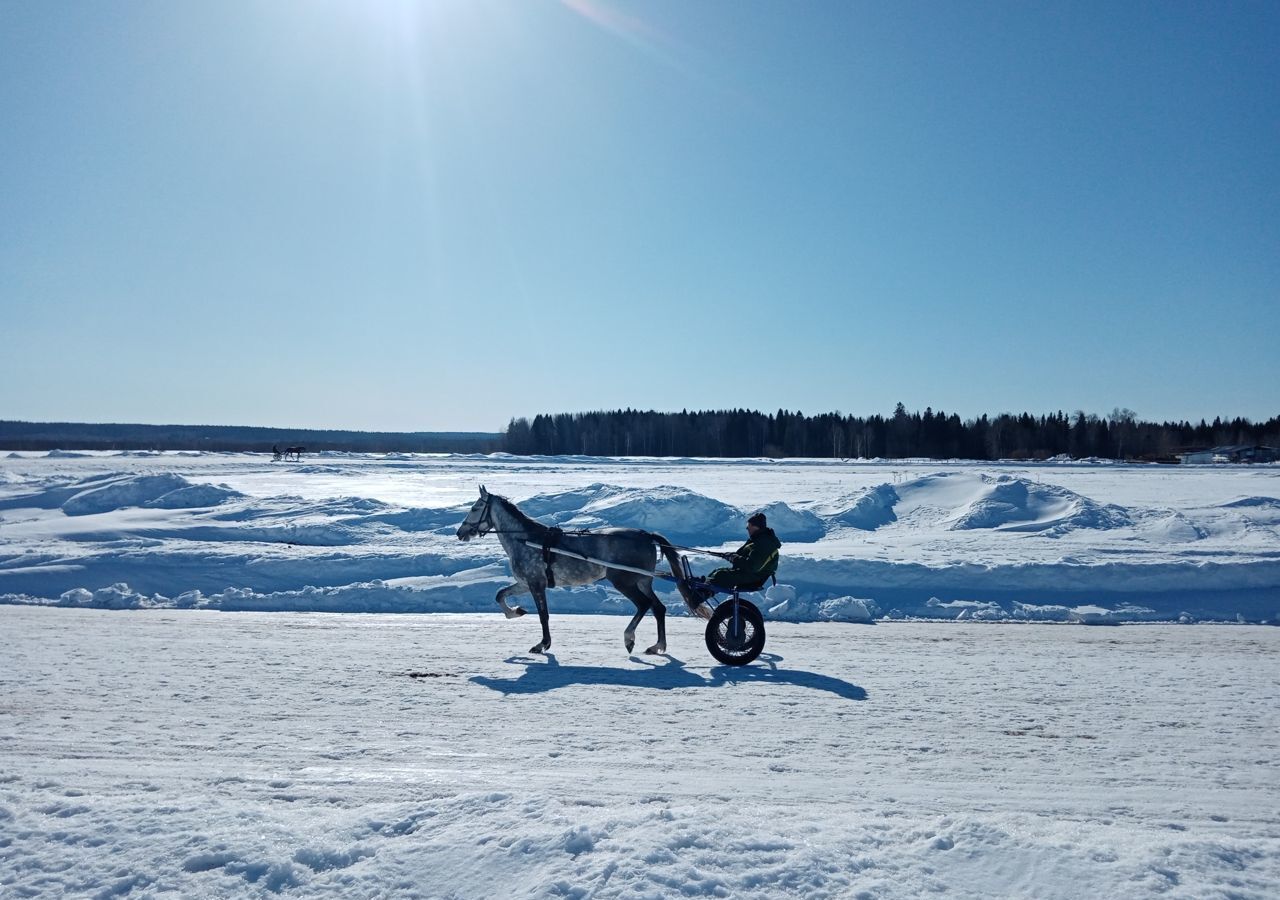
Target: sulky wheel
735, 639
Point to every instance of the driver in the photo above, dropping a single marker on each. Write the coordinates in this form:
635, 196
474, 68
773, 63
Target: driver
752, 563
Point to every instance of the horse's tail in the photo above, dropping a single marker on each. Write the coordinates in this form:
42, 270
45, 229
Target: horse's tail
691, 600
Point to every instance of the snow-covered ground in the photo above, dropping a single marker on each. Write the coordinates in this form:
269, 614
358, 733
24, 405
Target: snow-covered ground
160, 745
201, 754
862, 540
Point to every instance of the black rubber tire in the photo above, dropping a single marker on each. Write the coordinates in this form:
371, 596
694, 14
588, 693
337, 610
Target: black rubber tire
736, 649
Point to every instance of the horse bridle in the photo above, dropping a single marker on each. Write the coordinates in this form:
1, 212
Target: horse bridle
485, 524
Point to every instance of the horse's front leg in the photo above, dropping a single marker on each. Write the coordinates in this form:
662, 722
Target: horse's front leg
512, 590
540, 598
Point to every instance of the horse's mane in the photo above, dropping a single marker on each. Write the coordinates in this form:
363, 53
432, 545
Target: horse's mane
516, 512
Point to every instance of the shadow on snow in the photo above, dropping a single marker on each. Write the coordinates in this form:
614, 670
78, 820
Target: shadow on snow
546, 674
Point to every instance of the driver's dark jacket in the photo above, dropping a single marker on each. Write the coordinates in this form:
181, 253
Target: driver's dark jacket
753, 562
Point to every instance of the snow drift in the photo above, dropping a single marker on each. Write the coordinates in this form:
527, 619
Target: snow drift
162, 491
373, 533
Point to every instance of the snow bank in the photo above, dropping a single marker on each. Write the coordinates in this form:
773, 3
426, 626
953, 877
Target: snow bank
369, 533
474, 590
162, 491
366, 597
1014, 504
194, 496
117, 596
318, 534
797, 526
1251, 502
675, 512
867, 510
1256, 511
963, 501
787, 606
471, 592
979, 610
1168, 526
420, 519
1099, 615
683, 515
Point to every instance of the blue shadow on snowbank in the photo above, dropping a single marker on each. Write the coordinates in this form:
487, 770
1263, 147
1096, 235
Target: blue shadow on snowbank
546, 674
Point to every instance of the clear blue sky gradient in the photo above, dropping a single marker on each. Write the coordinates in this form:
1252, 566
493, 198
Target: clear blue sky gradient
440, 215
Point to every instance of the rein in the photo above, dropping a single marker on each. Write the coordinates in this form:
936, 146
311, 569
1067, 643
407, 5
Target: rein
486, 523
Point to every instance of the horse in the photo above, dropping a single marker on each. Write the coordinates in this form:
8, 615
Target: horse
295, 452
532, 567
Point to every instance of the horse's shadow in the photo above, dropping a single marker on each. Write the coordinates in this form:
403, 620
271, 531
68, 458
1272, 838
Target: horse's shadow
546, 674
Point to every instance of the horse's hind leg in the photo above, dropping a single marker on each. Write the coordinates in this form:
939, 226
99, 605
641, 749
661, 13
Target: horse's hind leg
512, 590
644, 601
629, 635
659, 617
540, 598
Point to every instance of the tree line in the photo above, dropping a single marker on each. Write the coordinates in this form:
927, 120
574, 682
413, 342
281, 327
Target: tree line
15, 435
934, 435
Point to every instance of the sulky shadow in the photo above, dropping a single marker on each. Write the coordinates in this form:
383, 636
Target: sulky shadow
547, 674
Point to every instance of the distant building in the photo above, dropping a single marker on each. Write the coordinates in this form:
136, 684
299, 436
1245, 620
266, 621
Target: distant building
1234, 453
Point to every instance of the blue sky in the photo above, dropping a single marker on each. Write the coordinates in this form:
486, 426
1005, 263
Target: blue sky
440, 215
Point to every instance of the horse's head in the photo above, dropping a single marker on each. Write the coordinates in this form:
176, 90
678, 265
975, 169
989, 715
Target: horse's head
479, 520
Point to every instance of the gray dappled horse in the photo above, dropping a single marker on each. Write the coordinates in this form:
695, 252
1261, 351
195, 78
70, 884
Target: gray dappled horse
624, 546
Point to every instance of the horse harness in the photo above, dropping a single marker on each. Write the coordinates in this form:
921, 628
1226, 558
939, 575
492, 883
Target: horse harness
549, 542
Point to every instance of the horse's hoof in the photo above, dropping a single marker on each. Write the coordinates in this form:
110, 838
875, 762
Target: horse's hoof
629, 641
514, 613
660, 647
538, 648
